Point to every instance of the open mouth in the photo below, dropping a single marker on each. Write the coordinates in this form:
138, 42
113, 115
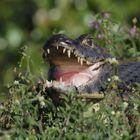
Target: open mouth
68, 66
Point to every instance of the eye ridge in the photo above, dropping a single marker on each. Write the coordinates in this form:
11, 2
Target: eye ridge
87, 41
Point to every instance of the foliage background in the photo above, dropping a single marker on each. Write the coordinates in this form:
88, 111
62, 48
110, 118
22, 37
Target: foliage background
30, 113
30, 22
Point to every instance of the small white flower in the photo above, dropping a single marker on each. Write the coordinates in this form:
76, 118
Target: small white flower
135, 106
115, 28
125, 104
17, 102
16, 82
2, 107
96, 107
109, 79
113, 61
116, 78
42, 103
113, 112
118, 113
105, 121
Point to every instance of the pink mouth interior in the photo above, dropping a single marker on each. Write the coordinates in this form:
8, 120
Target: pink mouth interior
74, 77
65, 76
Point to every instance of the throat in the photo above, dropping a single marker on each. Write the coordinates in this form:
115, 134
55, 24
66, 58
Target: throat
65, 72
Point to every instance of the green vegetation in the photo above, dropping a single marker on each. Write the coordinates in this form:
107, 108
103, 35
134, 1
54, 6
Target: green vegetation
26, 110
30, 114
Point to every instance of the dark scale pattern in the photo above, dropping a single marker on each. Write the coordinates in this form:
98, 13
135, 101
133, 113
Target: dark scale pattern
130, 73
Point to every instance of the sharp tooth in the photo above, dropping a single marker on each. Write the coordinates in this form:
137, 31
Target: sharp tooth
48, 50
75, 53
57, 47
88, 63
73, 81
81, 61
64, 50
60, 80
78, 58
69, 53
48, 84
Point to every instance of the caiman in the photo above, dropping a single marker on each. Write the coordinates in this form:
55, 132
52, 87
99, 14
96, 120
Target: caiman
79, 65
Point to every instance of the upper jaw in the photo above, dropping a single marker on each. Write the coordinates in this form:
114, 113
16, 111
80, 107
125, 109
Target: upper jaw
85, 54
69, 46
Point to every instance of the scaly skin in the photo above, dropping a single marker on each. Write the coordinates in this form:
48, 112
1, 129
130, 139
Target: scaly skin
87, 52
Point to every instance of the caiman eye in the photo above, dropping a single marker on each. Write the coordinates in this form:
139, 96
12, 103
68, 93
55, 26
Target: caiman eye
88, 42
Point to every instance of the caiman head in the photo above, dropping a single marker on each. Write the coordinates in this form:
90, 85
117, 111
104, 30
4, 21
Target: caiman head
74, 62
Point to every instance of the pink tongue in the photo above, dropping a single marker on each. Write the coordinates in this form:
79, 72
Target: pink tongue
78, 79
74, 78
65, 76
